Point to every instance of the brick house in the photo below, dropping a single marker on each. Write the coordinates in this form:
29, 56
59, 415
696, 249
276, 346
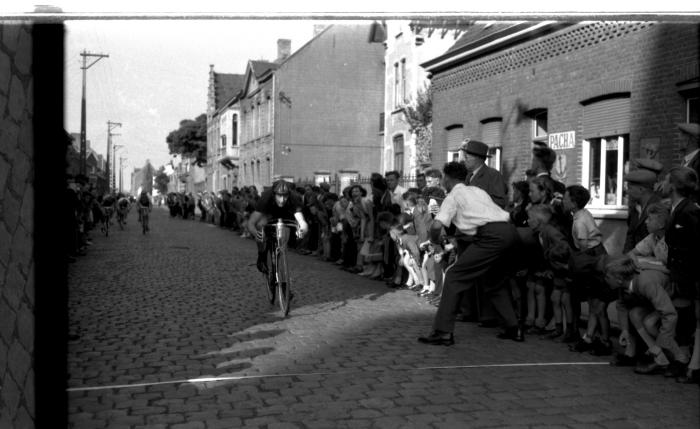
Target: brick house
223, 133
314, 114
599, 93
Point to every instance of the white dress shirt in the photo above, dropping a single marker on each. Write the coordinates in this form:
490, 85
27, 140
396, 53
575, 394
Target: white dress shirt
689, 157
469, 207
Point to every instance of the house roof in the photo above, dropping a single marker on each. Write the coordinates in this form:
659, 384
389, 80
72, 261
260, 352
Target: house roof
226, 86
260, 67
483, 38
479, 32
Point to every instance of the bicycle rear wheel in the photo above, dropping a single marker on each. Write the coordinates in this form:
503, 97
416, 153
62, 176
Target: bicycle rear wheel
144, 223
284, 284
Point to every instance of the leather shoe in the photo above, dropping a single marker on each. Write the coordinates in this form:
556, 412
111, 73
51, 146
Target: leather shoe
650, 369
437, 338
623, 360
691, 377
676, 369
514, 333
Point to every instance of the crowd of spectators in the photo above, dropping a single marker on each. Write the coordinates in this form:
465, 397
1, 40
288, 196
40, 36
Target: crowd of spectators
85, 210
384, 231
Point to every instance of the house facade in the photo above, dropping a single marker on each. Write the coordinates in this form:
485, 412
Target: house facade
314, 115
257, 110
408, 45
328, 97
599, 93
223, 132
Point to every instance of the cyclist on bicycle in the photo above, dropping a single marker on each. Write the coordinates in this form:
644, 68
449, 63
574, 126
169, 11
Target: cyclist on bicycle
280, 202
144, 202
122, 206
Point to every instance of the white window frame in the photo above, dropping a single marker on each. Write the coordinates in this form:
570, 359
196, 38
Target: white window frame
452, 153
617, 210
541, 138
495, 160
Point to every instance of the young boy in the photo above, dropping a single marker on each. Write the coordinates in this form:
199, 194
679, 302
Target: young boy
556, 254
588, 249
646, 304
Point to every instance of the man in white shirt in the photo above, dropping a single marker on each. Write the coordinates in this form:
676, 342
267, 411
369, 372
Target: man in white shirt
474, 213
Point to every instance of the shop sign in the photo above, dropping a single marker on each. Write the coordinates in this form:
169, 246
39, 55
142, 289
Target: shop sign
565, 140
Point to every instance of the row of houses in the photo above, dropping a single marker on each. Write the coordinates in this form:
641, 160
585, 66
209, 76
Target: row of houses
599, 93
95, 163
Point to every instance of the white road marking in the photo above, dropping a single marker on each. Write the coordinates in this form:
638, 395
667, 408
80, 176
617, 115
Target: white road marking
306, 374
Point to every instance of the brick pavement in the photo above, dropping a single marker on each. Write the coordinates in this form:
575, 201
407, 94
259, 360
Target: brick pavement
183, 303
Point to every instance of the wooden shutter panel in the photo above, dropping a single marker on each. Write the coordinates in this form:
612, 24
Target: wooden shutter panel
454, 138
491, 133
606, 118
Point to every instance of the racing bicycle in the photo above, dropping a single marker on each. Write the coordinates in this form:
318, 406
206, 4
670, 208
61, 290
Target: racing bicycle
144, 219
277, 278
106, 219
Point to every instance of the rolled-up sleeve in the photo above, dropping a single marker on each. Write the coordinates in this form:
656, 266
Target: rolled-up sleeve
448, 210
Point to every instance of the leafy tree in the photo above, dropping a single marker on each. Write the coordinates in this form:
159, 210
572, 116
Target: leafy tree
420, 120
161, 181
190, 140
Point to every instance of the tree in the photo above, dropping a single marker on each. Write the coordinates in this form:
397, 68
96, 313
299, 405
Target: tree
147, 175
190, 140
162, 181
420, 120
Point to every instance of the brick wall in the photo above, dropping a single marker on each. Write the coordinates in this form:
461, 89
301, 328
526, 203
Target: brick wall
16, 228
336, 84
559, 71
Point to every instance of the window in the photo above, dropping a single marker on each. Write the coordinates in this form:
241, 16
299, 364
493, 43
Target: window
491, 135
257, 172
454, 138
223, 141
539, 126
403, 81
605, 159
398, 153
234, 130
396, 85
381, 123
692, 114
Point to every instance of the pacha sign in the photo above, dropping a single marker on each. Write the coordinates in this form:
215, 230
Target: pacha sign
565, 140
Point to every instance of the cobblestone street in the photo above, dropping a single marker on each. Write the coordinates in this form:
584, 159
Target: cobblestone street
184, 302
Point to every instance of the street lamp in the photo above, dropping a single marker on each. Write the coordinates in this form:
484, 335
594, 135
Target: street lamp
114, 159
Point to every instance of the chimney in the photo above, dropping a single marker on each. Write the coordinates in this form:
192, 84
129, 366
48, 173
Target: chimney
284, 49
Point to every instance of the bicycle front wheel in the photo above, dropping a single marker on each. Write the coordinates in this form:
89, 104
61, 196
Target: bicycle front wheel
284, 284
270, 277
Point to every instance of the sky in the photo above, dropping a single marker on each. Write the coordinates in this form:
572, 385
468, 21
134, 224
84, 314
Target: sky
157, 74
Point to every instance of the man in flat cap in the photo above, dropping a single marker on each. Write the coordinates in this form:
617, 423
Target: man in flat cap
690, 150
640, 191
481, 175
490, 180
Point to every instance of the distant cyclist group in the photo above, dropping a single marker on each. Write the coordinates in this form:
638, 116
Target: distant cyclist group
121, 205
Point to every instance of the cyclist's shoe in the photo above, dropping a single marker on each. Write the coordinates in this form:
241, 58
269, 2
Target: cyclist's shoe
262, 266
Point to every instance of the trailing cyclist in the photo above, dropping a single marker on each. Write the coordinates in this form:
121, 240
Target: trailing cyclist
122, 207
109, 203
144, 206
279, 202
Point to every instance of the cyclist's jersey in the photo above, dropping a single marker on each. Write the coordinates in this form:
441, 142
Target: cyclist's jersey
108, 201
268, 207
144, 202
123, 203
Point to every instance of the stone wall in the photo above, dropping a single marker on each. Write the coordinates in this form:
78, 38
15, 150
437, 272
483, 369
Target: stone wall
17, 407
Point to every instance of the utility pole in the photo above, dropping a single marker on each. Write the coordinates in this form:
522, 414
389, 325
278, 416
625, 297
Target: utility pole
110, 126
114, 159
121, 159
83, 132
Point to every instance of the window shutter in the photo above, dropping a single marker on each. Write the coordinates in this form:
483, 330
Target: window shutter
606, 118
455, 136
491, 133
